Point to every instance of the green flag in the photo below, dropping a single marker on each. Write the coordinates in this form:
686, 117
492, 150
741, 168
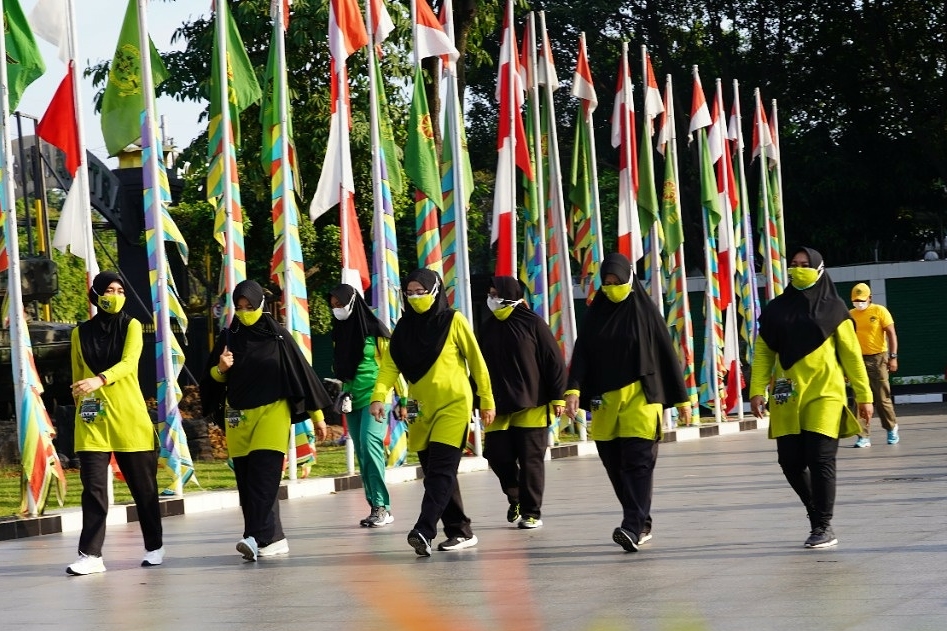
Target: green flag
387, 136
647, 193
671, 205
242, 87
420, 152
709, 197
24, 62
123, 101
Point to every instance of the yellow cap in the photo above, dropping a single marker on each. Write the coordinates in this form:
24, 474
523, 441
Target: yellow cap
861, 291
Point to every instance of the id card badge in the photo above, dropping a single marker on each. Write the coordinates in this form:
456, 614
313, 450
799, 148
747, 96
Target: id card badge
89, 408
232, 416
413, 409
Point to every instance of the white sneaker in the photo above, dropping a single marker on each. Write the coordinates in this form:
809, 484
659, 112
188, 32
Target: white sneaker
276, 548
153, 557
86, 564
248, 548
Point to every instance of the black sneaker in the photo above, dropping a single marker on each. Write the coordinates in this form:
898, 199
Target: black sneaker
821, 537
626, 539
513, 513
419, 542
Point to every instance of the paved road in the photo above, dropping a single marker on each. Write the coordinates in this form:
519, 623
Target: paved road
727, 554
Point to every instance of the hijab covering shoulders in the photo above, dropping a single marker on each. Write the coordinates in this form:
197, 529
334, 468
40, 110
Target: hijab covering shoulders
621, 343
102, 338
268, 366
348, 336
419, 338
797, 322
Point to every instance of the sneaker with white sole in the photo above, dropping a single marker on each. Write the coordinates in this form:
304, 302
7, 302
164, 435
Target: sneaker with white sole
626, 539
530, 522
379, 517
457, 543
422, 547
248, 548
276, 548
893, 437
153, 557
86, 564
645, 536
821, 537
862, 442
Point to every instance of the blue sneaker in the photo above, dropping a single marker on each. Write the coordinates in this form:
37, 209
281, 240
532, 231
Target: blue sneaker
893, 438
863, 441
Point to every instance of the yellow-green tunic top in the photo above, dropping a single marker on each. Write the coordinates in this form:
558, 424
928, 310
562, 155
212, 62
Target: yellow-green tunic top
529, 418
123, 423
626, 413
264, 427
816, 386
444, 397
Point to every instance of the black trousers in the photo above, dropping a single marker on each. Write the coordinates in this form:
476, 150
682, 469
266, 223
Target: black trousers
629, 463
808, 462
442, 499
258, 477
516, 457
140, 470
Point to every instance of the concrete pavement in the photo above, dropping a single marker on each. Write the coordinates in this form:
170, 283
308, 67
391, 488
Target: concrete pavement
727, 554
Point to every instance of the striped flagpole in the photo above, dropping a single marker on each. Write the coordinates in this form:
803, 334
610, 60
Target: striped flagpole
159, 228
38, 459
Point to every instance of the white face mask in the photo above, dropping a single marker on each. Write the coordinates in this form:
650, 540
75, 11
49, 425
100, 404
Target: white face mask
860, 305
343, 313
494, 303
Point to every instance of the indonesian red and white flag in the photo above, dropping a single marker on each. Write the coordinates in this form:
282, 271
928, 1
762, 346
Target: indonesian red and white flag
653, 105
700, 115
346, 29
48, 20
582, 86
59, 127
728, 199
731, 361
431, 40
546, 71
336, 182
761, 128
512, 150
382, 26
625, 140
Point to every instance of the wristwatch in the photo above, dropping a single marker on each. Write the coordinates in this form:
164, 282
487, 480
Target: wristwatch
892, 356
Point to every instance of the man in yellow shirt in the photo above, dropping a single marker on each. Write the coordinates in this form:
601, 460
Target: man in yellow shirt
874, 327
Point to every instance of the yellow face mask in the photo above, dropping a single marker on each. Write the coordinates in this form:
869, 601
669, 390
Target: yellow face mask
111, 303
617, 293
421, 304
249, 318
803, 277
502, 313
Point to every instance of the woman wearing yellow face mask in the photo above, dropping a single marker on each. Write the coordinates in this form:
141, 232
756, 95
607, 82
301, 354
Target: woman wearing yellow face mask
805, 349
434, 348
256, 383
528, 373
111, 418
625, 370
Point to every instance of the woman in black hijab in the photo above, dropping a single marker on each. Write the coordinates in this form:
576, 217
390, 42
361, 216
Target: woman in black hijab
528, 374
625, 370
111, 418
256, 383
359, 342
435, 349
805, 349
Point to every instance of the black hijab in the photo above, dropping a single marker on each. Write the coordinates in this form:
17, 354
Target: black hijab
624, 342
798, 321
526, 367
348, 336
419, 338
267, 366
102, 339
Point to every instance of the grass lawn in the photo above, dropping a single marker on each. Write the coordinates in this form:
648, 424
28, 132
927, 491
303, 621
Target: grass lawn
211, 475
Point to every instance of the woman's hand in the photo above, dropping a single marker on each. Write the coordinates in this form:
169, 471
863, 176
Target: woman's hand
758, 405
321, 430
87, 386
377, 410
572, 405
557, 410
866, 411
487, 416
225, 361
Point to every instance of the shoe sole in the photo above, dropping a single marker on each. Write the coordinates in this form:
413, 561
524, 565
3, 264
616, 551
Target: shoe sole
388, 520
827, 544
72, 572
644, 539
421, 547
525, 525
621, 538
150, 564
246, 551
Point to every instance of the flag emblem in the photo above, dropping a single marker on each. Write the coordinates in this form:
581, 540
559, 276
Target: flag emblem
126, 73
